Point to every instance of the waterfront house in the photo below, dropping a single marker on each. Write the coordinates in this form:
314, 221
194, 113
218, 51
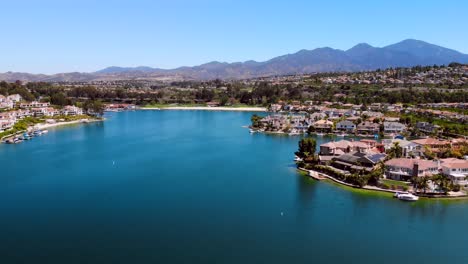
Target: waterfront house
275, 107
456, 170
70, 110
317, 116
403, 169
45, 111
6, 124
346, 125
323, 125
343, 146
357, 161
368, 128
394, 127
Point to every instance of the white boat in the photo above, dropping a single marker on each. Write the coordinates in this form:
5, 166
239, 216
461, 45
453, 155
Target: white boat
252, 131
294, 132
297, 159
342, 135
406, 197
320, 134
45, 131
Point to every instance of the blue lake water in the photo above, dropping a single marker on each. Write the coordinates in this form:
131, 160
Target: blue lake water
196, 187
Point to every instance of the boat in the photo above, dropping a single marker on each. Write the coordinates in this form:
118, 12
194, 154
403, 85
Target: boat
26, 136
342, 135
406, 197
45, 131
320, 134
297, 159
294, 132
37, 133
252, 131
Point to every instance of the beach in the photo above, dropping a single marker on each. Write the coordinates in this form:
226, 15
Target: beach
208, 108
51, 125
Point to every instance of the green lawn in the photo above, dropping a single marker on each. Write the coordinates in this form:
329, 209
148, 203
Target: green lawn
195, 105
395, 183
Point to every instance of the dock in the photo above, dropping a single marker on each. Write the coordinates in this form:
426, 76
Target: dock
316, 175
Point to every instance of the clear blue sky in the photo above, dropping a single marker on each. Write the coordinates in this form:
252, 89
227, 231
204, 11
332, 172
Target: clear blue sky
51, 36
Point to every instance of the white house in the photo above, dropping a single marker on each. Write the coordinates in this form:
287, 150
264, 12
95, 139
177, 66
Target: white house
71, 110
15, 98
456, 170
404, 169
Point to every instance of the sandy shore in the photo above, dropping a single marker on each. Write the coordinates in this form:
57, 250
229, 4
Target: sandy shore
206, 108
81, 121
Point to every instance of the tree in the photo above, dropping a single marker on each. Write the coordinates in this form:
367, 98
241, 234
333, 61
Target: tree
255, 119
442, 181
306, 148
421, 183
223, 100
59, 99
396, 151
94, 107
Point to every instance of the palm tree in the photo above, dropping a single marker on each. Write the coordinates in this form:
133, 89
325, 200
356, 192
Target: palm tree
442, 181
420, 183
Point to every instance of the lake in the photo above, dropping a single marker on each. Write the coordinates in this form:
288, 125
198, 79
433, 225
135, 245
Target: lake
196, 187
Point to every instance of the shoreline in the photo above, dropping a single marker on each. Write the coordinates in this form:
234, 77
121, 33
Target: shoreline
45, 126
208, 108
376, 190
58, 124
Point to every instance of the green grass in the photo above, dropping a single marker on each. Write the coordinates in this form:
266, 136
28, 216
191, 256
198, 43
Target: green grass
195, 105
171, 105
360, 190
395, 183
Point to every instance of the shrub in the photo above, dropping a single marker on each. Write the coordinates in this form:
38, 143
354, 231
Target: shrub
385, 186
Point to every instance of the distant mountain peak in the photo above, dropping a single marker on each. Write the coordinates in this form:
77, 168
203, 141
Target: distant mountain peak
362, 45
406, 53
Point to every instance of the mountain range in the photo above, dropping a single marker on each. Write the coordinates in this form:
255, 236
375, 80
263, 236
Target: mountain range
361, 57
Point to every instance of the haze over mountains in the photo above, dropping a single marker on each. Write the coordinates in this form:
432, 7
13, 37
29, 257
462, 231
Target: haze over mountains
406, 53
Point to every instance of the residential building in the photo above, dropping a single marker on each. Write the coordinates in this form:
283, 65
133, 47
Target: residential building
343, 146
456, 170
323, 125
409, 149
368, 128
403, 169
432, 144
15, 98
394, 127
358, 161
70, 110
427, 127
34, 104
346, 125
